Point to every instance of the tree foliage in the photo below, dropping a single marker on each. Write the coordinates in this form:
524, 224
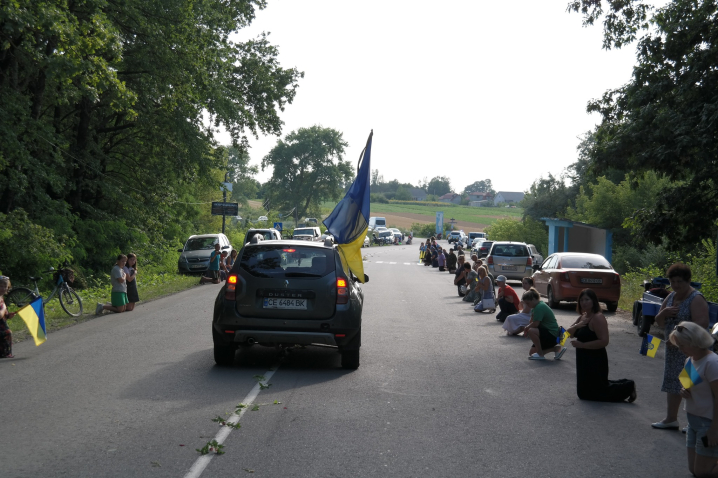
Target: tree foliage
439, 185
108, 111
665, 118
308, 168
547, 197
481, 186
527, 230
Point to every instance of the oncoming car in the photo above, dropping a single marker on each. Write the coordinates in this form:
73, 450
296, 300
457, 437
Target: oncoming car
285, 293
563, 276
194, 256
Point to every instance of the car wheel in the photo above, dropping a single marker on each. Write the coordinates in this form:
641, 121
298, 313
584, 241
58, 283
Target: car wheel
637, 311
223, 352
612, 306
552, 302
350, 359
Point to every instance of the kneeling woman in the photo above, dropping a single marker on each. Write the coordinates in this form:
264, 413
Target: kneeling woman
591, 333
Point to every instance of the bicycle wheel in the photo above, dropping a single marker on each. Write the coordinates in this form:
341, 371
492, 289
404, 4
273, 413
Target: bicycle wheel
18, 298
71, 302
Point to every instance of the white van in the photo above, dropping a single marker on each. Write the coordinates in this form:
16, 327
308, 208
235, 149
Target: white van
375, 222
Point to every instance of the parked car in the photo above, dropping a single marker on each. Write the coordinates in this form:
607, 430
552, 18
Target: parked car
387, 237
286, 293
484, 248
194, 256
308, 234
535, 255
262, 219
376, 222
367, 242
563, 275
456, 236
476, 243
510, 259
311, 220
397, 233
476, 235
268, 234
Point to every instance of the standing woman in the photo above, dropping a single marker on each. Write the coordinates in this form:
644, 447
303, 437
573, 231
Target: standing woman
591, 333
231, 259
131, 271
684, 304
5, 332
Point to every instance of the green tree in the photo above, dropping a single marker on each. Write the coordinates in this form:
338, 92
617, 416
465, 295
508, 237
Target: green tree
308, 168
402, 194
664, 118
527, 230
547, 197
482, 186
439, 185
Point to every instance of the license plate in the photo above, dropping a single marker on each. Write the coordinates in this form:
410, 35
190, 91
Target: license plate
508, 268
591, 281
199, 266
285, 303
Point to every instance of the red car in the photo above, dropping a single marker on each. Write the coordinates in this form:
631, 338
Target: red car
563, 276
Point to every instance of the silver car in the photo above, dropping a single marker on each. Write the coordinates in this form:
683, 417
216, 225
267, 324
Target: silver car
285, 293
194, 256
510, 259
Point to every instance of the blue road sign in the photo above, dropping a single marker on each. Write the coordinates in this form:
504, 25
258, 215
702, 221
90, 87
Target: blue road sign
278, 226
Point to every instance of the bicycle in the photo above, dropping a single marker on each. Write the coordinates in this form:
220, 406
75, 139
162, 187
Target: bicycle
69, 300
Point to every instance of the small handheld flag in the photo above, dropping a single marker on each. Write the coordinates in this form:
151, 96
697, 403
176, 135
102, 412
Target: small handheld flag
563, 336
689, 375
649, 346
34, 316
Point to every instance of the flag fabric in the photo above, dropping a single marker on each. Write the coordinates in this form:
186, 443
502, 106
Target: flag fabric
349, 220
34, 316
563, 336
649, 346
689, 375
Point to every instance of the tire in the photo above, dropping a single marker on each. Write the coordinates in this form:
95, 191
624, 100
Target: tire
552, 302
223, 352
612, 306
637, 311
71, 302
18, 298
350, 359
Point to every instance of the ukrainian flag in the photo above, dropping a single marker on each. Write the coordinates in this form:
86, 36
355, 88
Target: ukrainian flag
689, 375
349, 220
563, 336
34, 316
650, 345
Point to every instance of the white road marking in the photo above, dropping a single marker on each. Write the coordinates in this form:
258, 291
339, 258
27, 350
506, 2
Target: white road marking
379, 262
202, 462
407, 263
392, 263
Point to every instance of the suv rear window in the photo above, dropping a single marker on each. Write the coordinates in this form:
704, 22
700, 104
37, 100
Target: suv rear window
510, 250
585, 262
304, 232
279, 261
200, 243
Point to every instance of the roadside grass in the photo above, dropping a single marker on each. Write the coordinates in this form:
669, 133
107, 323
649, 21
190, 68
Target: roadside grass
478, 215
150, 286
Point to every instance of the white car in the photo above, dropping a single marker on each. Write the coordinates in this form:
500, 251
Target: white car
367, 242
263, 218
397, 233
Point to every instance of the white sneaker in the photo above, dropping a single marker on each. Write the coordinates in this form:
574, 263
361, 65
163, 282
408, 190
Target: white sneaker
99, 309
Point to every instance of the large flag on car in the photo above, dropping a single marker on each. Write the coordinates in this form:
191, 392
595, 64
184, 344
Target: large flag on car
34, 316
349, 220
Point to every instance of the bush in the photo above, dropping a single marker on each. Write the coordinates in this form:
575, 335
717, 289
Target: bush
528, 230
423, 230
378, 198
424, 203
630, 258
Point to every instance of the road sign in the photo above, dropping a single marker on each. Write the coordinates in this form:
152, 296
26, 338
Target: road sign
278, 226
225, 209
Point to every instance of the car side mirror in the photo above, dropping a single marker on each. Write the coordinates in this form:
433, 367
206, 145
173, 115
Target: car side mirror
537, 267
179, 250
225, 247
366, 278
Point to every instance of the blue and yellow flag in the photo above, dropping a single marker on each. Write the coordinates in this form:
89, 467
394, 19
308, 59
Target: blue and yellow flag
689, 375
649, 346
563, 336
349, 220
34, 316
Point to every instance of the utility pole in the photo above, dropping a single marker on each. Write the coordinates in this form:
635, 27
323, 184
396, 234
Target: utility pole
224, 198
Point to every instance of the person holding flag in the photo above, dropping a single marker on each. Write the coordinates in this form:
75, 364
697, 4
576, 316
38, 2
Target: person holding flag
591, 333
699, 379
5, 315
349, 221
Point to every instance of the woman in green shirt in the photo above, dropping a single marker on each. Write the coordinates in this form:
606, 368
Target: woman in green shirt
543, 328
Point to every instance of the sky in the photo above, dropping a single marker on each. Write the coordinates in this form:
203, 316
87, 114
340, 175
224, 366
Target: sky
470, 90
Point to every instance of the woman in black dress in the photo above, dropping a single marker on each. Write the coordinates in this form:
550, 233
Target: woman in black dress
591, 333
131, 271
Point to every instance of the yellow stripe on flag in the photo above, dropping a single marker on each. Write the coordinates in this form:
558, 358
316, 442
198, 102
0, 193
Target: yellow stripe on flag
653, 347
34, 318
351, 256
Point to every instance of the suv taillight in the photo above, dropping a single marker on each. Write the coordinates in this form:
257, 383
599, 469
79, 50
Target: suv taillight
529, 262
490, 260
342, 291
616, 279
563, 277
230, 291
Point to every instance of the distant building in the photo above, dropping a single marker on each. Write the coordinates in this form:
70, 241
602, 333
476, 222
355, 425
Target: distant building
486, 203
480, 196
451, 197
507, 197
418, 194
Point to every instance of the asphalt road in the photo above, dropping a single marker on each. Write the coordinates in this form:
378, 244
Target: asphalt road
441, 392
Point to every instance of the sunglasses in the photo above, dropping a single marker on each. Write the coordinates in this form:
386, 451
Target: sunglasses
679, 328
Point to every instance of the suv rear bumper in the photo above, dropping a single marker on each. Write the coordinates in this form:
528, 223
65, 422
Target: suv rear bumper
283, 337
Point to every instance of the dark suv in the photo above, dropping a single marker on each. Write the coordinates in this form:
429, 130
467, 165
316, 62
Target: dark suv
285, 293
